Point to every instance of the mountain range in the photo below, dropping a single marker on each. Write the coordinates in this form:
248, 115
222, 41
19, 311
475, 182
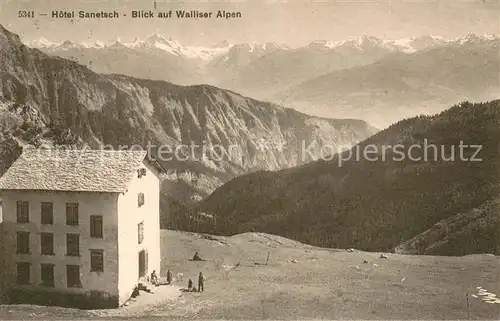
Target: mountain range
47, 100
364, 78
174, 47
404, 85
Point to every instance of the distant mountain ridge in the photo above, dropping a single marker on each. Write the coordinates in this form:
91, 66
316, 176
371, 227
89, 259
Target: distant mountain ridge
172, 46
156, 42
377, 80
403, 85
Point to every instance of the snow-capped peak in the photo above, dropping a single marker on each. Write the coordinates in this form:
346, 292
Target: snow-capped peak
42, 42
368, 40
157, 38
406, 45
367, 43
135, 43
475, 39
66, 45
96, 44
157, 41
222, 44
274, 46
490, 36
413, 44
469, 38
257, 49
252, 46
359, 43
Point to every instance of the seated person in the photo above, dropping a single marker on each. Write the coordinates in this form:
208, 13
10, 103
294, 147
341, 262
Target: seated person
154, 278
196, 257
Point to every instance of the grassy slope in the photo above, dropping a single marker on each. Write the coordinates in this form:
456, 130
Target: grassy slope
324, 283
373, 205
465, 232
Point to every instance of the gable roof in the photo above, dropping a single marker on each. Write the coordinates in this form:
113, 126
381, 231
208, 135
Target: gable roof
72, 170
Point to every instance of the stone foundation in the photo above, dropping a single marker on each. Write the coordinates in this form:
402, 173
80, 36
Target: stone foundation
89, 300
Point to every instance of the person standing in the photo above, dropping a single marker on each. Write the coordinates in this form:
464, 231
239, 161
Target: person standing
169, 276
201, 281
190, 285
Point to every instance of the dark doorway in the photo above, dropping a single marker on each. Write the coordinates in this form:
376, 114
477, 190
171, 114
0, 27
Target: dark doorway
142, 264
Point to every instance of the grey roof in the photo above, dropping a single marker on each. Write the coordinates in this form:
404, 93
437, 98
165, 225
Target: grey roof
72, 170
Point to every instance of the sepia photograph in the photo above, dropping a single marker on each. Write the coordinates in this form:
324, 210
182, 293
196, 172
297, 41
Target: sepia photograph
250, 159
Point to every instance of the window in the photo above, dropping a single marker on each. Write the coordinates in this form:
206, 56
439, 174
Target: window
23, 273
71, 213
140, 199
47, 213
23, 212
72, 244
47, 274
140, 232
96, 261
23, 242
96, 226
141, 172
73, 276
47, 241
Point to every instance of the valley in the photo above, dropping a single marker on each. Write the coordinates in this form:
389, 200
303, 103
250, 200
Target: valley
447, 206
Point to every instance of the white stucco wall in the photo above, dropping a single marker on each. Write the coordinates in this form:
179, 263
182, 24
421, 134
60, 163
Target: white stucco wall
104, 204
130, 215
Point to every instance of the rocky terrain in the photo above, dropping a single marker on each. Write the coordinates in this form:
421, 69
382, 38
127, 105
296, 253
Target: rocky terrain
40, 93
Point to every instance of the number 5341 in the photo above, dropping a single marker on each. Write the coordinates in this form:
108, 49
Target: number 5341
26, 14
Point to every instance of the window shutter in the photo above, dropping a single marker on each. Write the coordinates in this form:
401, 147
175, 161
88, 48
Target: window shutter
72, 244
96, 226
47, 213
22, 212
96, 260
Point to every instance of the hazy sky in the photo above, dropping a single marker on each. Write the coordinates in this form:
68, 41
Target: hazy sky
292, 22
